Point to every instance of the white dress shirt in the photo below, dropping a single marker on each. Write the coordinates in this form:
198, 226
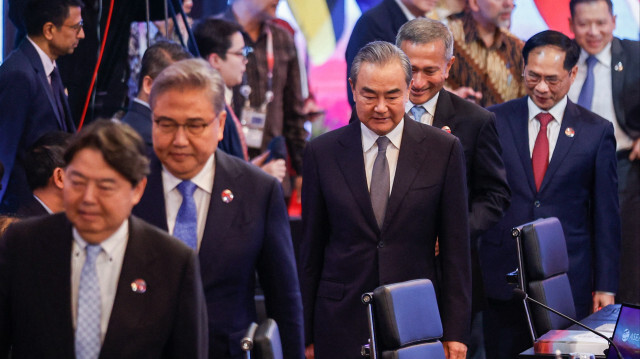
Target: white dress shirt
602, 103
47, 63
108, 267
553, 128
430, 106
370, 150
46, 208
202, 195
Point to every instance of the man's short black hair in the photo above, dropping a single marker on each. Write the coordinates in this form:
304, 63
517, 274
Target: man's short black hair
39, 12
557, 39
158, 57
44, 156
573, 3
213, 36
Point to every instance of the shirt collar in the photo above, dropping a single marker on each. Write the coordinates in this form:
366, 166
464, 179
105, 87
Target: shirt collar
556, 111
470, 27
143, 103
405, 10
604, 56
109, 245
430, 105
204, 179
369, 137
47, 63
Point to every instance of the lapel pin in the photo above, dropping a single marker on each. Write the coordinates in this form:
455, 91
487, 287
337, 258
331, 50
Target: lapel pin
618, 67
446, 129
569, 132
227, 196
139, 286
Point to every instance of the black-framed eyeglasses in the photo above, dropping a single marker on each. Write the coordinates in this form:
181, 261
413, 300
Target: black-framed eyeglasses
244, 52
169, 126
77, 27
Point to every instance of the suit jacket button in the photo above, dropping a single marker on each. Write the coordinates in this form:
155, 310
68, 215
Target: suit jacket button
380, 244
536, 203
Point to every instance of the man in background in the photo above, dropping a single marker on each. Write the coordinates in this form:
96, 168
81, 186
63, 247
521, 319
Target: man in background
32, 97
44, 166
608, 83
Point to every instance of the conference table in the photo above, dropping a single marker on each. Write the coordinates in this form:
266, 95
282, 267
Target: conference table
576, 338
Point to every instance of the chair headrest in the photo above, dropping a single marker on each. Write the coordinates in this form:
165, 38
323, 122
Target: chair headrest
545, 249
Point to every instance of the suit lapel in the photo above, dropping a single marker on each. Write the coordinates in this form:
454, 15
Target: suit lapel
564, 143
410, 160
617, 79
221, 215
444, 111
519, 124
32, 54
350, 159
153, 200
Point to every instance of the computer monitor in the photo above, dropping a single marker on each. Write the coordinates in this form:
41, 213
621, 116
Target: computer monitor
626, 334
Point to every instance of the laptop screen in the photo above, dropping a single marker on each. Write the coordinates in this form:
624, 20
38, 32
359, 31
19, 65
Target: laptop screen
626, 335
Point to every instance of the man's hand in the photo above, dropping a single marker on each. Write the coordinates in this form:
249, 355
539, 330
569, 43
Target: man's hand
276, 168
308, 352
467, 93
601, 300
454, 350
635, 150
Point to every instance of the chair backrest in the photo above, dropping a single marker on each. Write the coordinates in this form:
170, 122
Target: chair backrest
263, 341
546, 265
407, 320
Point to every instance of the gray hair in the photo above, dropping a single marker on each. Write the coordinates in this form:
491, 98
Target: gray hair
423, 31
190, 74
380, 53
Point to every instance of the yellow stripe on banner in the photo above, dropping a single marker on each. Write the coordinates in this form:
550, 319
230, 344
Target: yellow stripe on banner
314, 20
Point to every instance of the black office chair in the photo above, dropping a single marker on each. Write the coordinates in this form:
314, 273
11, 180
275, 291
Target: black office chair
404, 322
262, 341
543, 267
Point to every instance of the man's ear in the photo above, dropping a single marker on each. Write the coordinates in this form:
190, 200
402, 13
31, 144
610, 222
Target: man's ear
58, 172
147, 82
47, 30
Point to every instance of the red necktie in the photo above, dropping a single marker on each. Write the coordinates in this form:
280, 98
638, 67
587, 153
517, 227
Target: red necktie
540, 155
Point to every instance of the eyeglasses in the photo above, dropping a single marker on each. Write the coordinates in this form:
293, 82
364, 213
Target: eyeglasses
244, 52
534, 79
77, 27
194, 128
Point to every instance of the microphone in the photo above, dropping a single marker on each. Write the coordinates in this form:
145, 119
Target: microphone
520, 294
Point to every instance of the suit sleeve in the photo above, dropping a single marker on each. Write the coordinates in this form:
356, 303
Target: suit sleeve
190, 335
489, 192
455, 296
5, 296
315, 222
606, 214
278, 276
15, 92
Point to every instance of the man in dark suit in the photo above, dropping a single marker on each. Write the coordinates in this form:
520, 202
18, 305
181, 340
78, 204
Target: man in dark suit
375, 221
32, 97
382, 22
155, 59
561, 162
608, 83
231, 212
429, 46
98, 281
44, 166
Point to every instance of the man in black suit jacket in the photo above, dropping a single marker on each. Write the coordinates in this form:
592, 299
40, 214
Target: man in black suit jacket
239, 223
354, 241
616, 86
140, 295
155, 59
32, 98
429, 46
382, 22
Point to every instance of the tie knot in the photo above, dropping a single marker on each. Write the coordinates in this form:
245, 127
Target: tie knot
418, 111
591, 61
186, 188
92, 252
383, 142
544, 118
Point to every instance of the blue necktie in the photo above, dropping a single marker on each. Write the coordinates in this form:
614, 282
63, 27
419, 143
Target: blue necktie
380, 181
58, 94
87, 340
586, 93
186, 228
417, 112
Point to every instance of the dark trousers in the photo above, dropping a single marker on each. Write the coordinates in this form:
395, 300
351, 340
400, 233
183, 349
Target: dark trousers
506, 332
629, 195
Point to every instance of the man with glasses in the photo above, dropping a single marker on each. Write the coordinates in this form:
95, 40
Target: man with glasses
220, 42
32, 97
230, 212
561, 162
